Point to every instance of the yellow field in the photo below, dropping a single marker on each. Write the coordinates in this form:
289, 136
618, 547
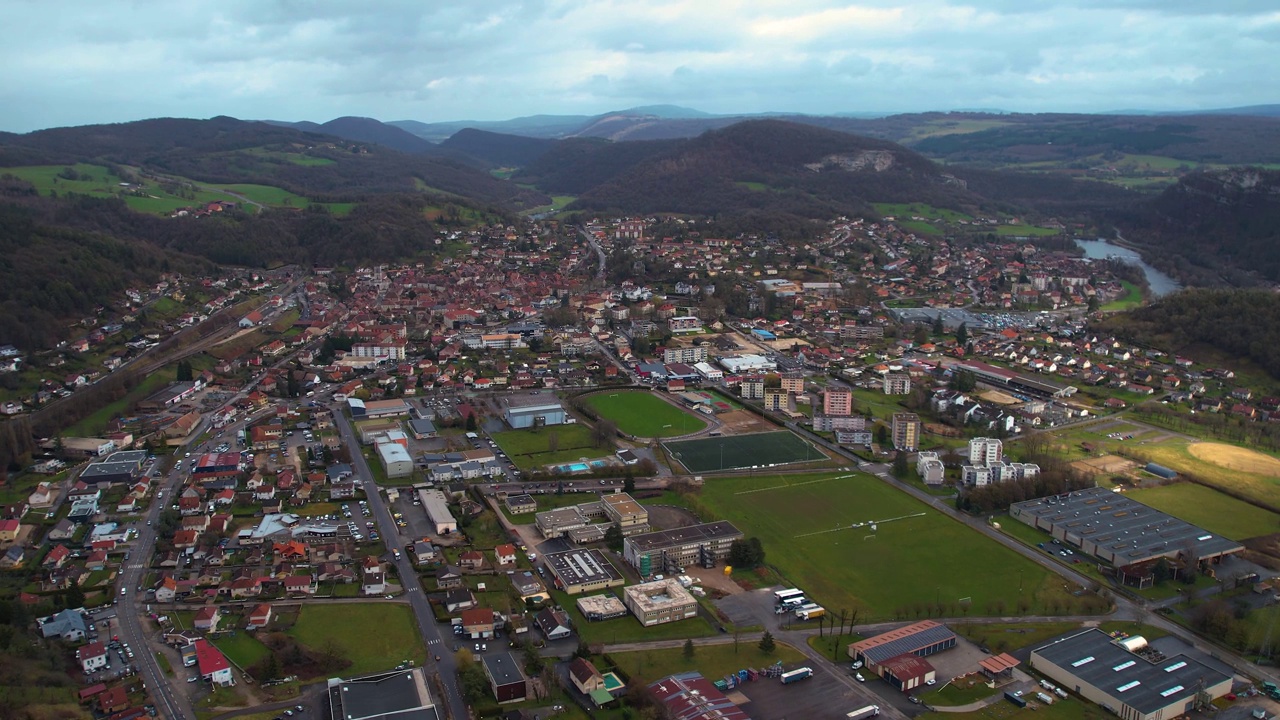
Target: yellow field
1236, 458
1262, 488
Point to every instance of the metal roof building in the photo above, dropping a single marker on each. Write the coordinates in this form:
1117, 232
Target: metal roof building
578, 571
402, 695
1119, 530
920, 639
527, 412
1130, 685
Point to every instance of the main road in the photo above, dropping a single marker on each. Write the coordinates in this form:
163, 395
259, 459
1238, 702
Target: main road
435, 643
129, 614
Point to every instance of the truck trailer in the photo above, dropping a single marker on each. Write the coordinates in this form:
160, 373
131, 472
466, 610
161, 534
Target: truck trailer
866, 712
796, 675
810, 611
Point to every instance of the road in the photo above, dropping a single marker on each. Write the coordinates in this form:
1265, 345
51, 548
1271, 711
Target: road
432, 638
129, 614
599, 253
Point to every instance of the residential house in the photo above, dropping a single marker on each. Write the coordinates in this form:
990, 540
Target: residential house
585, 677
471, 560
505, 554
479, 623
300, 585
207, 619
448, 577
92, 656
553, 624
460, 599
259, 618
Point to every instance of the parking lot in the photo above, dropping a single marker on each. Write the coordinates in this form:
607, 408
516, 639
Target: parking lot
817, 698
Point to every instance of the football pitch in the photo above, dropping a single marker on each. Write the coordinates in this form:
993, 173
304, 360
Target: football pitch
739, 452
817, 530
643, 414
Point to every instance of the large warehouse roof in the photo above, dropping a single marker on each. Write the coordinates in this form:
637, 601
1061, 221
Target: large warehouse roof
1095, 658
1124, 530
401, 695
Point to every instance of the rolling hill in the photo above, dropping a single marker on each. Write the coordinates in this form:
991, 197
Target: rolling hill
1211, 228
764, 164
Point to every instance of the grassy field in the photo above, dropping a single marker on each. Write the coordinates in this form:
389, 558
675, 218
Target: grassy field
643, 414
1214, 511
532, 449
714, 661
266, 194
1024, 230
243, 649
1013, 636
1177, 454
1131, 298
373, 636
743, 451
1070, 709
920, 559
922, 210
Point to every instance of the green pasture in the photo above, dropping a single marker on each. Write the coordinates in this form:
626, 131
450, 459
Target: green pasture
736, 452
1212, 510
1131, 298
923, 210
243, 649
643, 414
915, 557
535, 448
373, 636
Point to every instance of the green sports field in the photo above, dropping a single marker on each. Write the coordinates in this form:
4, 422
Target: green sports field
1212, 510
643, 414
915, 559
737, 452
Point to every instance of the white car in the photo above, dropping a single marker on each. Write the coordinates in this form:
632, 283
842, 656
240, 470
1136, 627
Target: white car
860, 678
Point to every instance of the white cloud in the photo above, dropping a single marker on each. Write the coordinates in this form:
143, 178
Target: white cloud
117, 60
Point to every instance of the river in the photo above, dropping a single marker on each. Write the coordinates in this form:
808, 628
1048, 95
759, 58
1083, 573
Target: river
1159, 283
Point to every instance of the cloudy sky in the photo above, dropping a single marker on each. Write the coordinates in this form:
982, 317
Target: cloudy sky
88, 61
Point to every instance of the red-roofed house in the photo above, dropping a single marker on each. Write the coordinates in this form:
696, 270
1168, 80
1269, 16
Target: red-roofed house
300, 584
92, 656
505, 554
259, 618
206, 619
213, 665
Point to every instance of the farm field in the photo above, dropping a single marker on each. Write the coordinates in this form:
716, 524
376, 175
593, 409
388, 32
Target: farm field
928, 212
1220, 465
97, 181
641, 413
266, 194
736, 452
713, 661
532, 449
373, 636
1214, 511
804, 523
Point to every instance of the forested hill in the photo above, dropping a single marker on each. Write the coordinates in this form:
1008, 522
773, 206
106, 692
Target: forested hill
51, 271
1244, 323
225, 150
1212, 228
784, 167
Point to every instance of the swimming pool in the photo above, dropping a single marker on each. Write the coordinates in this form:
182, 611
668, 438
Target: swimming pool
573, 467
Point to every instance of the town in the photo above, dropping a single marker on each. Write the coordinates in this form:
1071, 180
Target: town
628, 467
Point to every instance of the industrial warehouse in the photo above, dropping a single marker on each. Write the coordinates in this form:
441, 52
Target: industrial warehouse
402, 695
1115, 674
674, 550
1119, 530
918, 639
579, 571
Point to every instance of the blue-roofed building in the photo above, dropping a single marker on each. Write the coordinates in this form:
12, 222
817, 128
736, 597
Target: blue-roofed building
527, 412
